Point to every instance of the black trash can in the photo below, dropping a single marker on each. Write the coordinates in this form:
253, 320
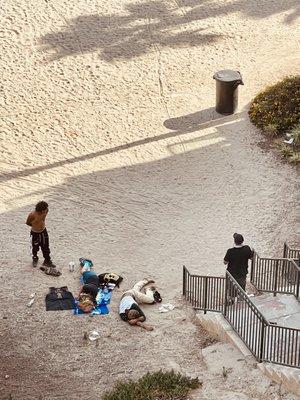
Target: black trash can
227, 83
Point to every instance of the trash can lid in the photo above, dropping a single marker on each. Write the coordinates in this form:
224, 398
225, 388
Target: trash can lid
228, 75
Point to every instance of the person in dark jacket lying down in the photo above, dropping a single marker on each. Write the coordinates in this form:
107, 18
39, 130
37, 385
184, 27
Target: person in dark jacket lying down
90, 288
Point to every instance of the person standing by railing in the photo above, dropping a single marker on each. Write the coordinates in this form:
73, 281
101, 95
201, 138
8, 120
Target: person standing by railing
236, 259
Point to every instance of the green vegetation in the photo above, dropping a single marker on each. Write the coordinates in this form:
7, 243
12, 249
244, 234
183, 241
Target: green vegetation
296, 135
154, 386
277, 105
295, 158
292, 152
276, 110
271, 130
286, 151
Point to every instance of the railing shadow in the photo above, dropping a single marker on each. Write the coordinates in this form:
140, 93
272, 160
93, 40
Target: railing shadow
183, 125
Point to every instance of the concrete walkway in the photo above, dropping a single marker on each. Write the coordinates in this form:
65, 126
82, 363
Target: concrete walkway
283, 309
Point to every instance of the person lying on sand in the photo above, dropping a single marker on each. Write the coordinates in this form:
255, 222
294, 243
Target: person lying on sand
92, 284
130, 311
85, 303
90, 288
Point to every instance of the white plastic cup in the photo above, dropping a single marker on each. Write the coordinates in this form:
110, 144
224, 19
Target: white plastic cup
71, 266
94, 335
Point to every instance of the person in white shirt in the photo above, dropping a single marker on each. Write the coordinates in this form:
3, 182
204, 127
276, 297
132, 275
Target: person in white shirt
130, 311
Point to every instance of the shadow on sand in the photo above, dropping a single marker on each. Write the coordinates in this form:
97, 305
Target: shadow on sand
146, 24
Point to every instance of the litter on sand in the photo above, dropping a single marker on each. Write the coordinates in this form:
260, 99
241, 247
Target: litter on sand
166, 308
30, 303
32, 297
71, 266
94, 335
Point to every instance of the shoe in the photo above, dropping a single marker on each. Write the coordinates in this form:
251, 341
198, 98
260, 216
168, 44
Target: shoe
157, 297
85, 262
50, 270
49, 264
35, 261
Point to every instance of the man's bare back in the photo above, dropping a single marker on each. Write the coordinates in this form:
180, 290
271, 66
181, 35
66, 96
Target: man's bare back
36, 220
40, 239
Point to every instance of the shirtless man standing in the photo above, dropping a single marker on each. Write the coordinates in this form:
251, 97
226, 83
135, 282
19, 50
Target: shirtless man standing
40, 238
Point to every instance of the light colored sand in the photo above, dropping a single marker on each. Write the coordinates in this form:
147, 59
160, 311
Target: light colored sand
106, 111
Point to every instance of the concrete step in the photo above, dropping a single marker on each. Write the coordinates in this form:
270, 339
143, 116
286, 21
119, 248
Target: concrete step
288, 377
220, 329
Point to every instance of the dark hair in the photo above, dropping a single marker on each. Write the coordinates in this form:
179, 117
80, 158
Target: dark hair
41, 206
133, 314
238, 238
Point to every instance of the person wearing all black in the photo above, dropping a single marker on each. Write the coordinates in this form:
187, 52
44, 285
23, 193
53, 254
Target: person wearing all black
236, 259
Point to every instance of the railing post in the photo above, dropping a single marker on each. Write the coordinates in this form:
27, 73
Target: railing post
184, 281
252, 267
205, 294
262, 342
276, 278
285, 250
225, 300
298, 285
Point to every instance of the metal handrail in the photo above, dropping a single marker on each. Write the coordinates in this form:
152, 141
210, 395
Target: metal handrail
245, 297
255, 341
262, 338
295, 265
288, 251
204, 292
278, 259
274, 275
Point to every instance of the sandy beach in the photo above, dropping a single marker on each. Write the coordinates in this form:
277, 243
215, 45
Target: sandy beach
107, 113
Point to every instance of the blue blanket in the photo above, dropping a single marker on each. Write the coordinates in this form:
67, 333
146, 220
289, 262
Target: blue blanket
103, 299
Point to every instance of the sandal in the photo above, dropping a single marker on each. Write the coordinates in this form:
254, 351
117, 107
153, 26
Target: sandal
50, 271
